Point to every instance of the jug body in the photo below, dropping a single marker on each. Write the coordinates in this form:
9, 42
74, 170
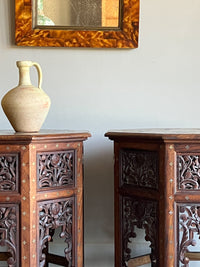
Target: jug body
26, 106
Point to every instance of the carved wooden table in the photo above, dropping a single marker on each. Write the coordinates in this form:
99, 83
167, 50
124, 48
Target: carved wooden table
157, 188
41, 191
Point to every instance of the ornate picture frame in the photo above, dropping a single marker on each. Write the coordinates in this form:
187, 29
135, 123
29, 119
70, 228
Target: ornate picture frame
124, 36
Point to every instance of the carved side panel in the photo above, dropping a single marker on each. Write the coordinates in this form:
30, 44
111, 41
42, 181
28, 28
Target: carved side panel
9, 172
139, 168
188, 177
54, 214
56, 169
9, 230
141, 214
188, 233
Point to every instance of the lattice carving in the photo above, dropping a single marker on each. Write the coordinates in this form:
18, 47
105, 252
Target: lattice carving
51, 216
189, 224
143, 215
55, 169
8, 231
8, 172
139, 168
188, 172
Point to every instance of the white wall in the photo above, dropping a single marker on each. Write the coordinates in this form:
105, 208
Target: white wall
156, 85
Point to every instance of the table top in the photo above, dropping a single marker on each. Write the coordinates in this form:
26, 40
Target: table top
155, 133
43, 135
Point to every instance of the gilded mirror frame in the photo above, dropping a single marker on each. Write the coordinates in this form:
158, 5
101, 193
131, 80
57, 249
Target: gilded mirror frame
126, 36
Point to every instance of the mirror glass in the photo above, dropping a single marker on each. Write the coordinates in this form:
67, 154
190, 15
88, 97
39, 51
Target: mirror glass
77, 13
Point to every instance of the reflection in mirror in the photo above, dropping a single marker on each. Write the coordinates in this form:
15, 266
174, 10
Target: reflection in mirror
77, 13
140, 250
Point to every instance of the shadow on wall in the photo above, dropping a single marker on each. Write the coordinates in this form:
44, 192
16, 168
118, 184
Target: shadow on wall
11, 22
99, 255
99, 191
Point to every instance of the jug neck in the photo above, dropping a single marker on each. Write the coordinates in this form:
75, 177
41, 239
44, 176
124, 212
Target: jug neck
24, 75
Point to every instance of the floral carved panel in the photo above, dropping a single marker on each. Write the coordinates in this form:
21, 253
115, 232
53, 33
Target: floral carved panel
139, 168
9, 172
9, 229
188, 232
52, 215
188, 168
142, 214
56, 169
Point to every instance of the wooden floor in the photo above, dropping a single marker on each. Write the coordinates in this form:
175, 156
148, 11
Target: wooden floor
139, 261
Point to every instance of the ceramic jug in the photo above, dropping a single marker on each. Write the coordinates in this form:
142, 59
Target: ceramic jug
26, 106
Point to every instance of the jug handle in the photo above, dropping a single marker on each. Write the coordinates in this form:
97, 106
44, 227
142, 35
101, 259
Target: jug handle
39, 70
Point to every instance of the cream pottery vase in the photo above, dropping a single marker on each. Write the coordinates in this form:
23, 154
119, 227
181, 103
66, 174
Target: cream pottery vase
26, 106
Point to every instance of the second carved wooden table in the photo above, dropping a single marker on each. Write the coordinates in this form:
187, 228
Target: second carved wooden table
157, 189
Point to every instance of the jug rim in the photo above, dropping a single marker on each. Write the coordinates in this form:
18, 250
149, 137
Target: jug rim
24, 63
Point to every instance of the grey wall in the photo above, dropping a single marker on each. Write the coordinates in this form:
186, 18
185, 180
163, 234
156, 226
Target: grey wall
156, 85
